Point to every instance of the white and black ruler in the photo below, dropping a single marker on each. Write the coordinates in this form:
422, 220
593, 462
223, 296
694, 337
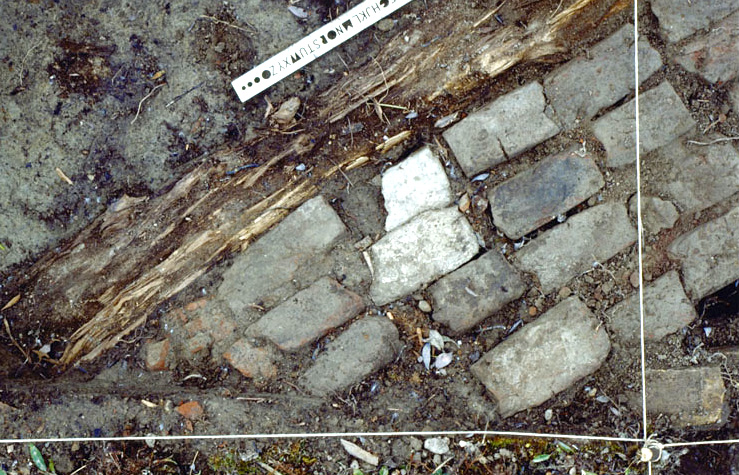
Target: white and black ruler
314, 45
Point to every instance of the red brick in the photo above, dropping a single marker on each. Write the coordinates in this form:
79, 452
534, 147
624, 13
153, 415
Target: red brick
155, 355
198, 344
192, 306
251, 361
190, 410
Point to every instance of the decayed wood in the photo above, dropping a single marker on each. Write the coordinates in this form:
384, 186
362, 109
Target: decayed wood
104, 284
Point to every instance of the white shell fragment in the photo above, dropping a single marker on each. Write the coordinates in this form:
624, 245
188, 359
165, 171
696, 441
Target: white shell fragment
359, 453
443, 360
298, 12
286, 113
436, 340
437, 445
446, 120
426, 355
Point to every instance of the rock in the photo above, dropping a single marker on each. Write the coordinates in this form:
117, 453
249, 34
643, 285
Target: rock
666, 310
709, 255
308, 315
544, 358
190, 410
277, 257
691, 397
538, 195
424, 306
362, 349
616, 130
475, 291
714, 55
156, 355
663, 118
417, 184
437, 445
585, 85
678, 20
430, 245
596, 234
252, 361
695, 177
502, 129
656, 214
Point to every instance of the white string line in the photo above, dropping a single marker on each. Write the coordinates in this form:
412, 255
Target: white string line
701, 442
318, 435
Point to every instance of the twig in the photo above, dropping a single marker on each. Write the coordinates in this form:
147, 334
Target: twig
443, 464
488, 15
141, 102
23, 63
268, 468
7, 329
216, 20
723, 139
177, 98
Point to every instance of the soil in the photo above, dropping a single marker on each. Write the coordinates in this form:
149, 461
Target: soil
123, 98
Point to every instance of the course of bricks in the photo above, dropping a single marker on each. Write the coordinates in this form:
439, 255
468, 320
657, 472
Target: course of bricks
307, 284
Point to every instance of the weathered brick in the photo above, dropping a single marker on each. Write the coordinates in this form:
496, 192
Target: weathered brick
714, 55
666, 310
308, 315
190, 410
475, 291
252, 361
662, 117
709, 255
692, 397
585, 85
198, 345
362, 349
430, 245
156, 355
276, 258
544, 358
678, 20
415, 185
616, 130
656, 213
695, 177
537, 195
508, 126
558, 255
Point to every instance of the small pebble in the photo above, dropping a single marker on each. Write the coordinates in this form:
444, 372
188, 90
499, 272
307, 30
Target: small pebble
548, 414
532, 311
634, 279
437, 445
424, 306
385, 25
564, 292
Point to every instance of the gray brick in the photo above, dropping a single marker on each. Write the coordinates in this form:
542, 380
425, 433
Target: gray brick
656, 213
666, 310
616, 130
583, 86
662, 118
475, 291
503, 129
691, 397
308, 315
275, 258
709, 255
362, 349
714, 56
558, 255
544, 358
536, 196
695, 177
432, 244
417, 184
678, 20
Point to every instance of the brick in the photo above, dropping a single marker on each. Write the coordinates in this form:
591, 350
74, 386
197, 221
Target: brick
430, 245
308, 315
503, 129
190, 410
709, 255
558, 255
691, 397
277, 257
362, 349
587, 84
616, 130
695, 177
156, 355
198, 345
544, 358
656, 213
714, 55
666, 310
415, 185
663, 117
251, 361
536, 196
475, 291
678, 20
